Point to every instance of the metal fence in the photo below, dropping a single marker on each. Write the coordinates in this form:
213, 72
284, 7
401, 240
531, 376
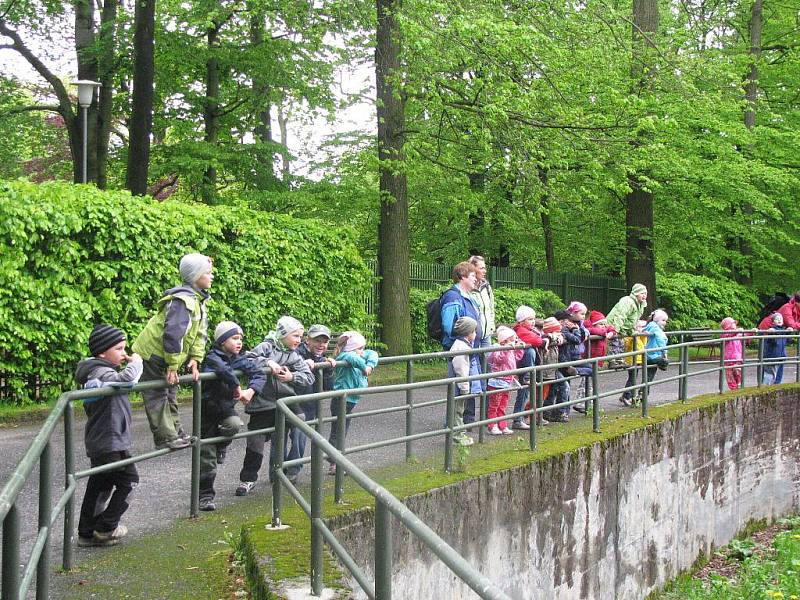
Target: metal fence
15, 583
596, 291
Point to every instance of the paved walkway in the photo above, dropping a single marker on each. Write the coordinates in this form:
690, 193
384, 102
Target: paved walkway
168, 478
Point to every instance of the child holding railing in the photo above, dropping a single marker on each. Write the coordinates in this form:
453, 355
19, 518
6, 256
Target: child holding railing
351, 348
502, 360
734, 352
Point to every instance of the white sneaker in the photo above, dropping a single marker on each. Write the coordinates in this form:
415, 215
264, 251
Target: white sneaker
521, 425
507, 431
495, 430
245, 487
463, 440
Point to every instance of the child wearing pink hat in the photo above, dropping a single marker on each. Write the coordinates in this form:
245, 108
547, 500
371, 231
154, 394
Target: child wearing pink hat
734, 352
499, 388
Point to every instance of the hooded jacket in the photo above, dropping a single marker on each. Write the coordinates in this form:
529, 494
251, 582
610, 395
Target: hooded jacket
455, 304
353, 375
108, 426
179, 330
218, 400
625, 313
272, 349
484, 297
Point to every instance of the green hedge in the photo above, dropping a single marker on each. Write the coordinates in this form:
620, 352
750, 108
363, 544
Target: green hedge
507, 300
74, 255
697, 301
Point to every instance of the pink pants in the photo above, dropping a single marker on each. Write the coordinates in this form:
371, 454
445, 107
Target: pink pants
498, 403
733, 375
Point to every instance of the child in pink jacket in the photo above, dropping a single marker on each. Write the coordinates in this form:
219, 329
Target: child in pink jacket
734, 352
502, 360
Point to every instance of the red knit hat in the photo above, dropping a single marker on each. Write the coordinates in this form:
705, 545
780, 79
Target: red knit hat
551, 325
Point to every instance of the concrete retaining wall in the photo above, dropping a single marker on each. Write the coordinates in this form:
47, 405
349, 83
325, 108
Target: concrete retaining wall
614, 520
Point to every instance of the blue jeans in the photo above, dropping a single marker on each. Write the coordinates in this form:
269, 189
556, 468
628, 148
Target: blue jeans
349, 406
296, 445
528, 360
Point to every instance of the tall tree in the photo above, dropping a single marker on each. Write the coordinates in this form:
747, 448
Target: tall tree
640, 266
393, 245
141, 123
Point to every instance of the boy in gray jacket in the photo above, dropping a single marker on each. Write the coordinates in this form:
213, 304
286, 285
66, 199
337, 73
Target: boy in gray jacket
107, 436
289, 373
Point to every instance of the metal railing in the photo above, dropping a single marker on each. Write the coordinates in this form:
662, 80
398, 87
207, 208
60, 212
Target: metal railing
15, 583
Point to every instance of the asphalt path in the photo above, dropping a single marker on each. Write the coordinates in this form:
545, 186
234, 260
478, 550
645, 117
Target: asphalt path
163, 494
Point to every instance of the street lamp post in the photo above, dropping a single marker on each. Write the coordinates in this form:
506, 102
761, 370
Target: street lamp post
86, 90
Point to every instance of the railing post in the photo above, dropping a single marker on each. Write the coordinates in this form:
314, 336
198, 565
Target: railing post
449, 418
760, 368
69, 471
10, 583
275, 466
383, 551
318, 389
532, 383
722, 343
409, 409
197, 395
797, 361
45, 512
596, 397
317, 556
684, 393
482, 399
537, 400
744, 362
341, 427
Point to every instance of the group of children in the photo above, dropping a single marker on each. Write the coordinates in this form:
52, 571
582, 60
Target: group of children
285, 364
282, 365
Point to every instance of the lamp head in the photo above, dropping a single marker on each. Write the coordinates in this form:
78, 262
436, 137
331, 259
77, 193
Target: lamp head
86, 89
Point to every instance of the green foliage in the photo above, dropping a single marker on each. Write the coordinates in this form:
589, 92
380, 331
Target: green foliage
74, 256
507, 300
771, 573
544, 302
699, 301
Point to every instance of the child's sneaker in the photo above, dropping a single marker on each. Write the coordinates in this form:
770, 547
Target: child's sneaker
86, 542
207, 504
521, 425
110, 538
245, 487
506, 431
463, 440
495, 430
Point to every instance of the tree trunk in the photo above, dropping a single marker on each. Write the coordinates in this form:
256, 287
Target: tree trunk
743, 272
87, 69
265, 177
211, 113
107, 35
393, 244
141, 123
547, 228
283, 127
639, 256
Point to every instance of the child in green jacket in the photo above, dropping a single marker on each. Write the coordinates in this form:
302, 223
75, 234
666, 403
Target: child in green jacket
175, 336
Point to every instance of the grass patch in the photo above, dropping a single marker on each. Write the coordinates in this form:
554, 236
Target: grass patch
747, 570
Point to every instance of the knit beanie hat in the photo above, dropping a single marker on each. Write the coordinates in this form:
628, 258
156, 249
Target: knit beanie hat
525, 312
576, 307
504, 333
728, 323
638, 288
464, 326
193, 266
551, 325
595, 316
225, 330
103, 337
287, 325
354, 341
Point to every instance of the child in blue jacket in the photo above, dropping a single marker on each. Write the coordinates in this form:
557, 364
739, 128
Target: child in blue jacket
350, 349
774, 351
